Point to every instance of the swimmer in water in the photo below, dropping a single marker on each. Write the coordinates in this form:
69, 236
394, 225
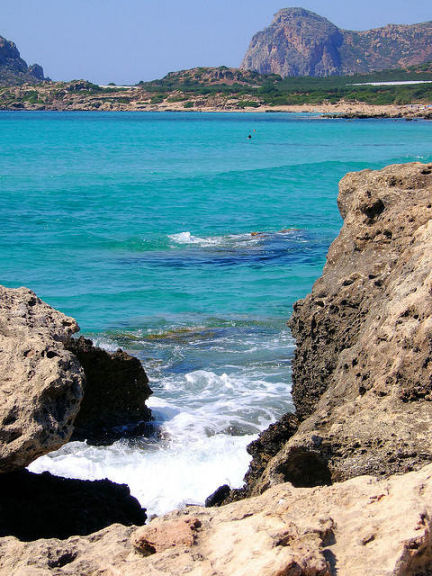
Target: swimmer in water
250, 136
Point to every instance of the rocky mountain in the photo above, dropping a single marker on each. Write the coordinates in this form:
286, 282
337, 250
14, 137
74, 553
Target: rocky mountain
301, 43
13, 69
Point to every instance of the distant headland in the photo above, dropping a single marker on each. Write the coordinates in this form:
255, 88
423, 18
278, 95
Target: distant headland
301, 62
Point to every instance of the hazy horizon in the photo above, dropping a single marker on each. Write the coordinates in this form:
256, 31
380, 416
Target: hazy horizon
125, 42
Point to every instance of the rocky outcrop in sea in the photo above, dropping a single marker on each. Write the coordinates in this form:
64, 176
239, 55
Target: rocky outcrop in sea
301, 43
343, 487
53, 386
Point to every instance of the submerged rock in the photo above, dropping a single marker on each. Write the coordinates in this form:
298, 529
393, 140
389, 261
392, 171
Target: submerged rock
115, 391
362, 373
41, 383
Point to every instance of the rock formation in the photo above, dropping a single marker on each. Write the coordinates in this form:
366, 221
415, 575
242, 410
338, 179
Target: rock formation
49, 381
37, 506
362, 372
301, 43
115, 391
52, 385
362, 526
41, 383
13, 69
362, 390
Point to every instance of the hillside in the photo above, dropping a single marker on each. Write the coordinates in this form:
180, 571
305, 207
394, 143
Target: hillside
13, 69
221, 76
301, 43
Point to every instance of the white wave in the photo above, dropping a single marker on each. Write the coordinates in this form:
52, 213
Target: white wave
205, 419
185, 238
230, 240
183, 472
104, 343
204, 431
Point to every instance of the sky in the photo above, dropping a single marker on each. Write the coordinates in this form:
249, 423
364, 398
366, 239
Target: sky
125, 41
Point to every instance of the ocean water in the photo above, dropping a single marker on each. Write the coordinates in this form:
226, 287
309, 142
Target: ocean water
179, 239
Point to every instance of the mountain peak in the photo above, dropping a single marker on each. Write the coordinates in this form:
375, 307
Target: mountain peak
299, 42
13, 69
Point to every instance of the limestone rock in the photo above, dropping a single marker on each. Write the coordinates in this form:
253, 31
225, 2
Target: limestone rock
115, 391
301, 43
362, 526
43, 374
40, 381
156, 538
363, 366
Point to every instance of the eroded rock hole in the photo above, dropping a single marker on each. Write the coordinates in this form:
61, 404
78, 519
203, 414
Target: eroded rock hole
305, 469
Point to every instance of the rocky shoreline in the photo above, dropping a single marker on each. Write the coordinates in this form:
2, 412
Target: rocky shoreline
343, 487
81, 96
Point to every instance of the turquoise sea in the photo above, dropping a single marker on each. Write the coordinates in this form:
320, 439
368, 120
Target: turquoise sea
140, 226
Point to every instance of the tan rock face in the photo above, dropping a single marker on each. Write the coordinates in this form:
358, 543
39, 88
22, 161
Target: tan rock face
364, 526
363, 366
40, 381
171, 534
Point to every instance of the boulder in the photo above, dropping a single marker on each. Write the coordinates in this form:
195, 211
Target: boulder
115, 391
51, 383
41, 383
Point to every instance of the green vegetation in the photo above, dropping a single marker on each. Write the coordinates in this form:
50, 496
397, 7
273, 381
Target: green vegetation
32, 97
158, 99
253, 89
228, 88
248, 104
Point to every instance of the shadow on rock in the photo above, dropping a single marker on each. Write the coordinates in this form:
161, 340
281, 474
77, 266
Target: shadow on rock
115, 391
34, 506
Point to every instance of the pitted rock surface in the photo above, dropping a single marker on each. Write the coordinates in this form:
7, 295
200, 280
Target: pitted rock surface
41, 383
364, 526
363, 366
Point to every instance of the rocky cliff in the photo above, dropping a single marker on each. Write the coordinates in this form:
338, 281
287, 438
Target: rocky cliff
49, 385
13, 69
362, 372
301, 43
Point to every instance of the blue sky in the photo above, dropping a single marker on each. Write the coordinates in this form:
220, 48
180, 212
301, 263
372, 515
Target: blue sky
125, 41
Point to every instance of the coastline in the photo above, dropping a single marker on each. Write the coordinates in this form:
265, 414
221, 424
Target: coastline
349, 485
337, 111
79, 97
